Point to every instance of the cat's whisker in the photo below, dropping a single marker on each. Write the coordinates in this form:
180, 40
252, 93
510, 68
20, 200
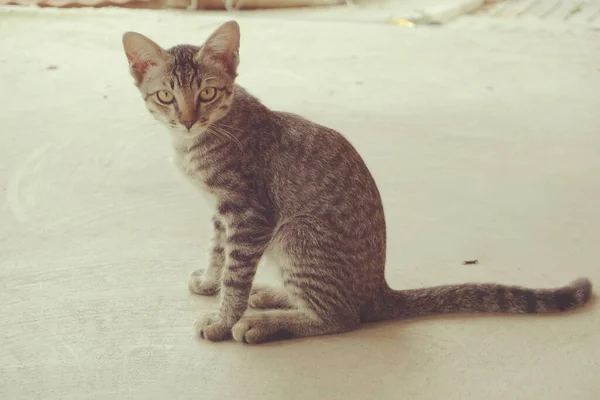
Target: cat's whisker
217, 132
229, 127
227, 135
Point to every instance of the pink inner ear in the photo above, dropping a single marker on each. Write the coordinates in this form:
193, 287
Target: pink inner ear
139, 67
226, 59
228, 62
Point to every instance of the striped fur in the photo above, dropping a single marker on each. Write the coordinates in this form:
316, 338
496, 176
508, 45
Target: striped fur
299, 192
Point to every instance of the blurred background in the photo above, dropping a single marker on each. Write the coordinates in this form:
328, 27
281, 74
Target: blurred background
580, 12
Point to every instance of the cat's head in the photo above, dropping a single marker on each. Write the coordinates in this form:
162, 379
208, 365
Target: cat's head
186, 87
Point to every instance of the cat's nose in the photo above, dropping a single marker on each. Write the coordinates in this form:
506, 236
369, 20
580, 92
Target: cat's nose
188, 123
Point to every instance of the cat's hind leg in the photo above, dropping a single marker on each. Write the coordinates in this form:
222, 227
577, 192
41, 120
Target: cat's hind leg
316, 278
274, 325
314, 314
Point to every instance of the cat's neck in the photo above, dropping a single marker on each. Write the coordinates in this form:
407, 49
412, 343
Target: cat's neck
245, 111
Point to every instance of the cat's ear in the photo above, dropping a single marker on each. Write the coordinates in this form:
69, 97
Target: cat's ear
222, 47
143, 54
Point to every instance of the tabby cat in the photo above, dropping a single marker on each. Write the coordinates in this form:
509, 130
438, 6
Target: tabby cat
299, 192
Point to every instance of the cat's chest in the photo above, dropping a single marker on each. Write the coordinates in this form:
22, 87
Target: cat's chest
189, 166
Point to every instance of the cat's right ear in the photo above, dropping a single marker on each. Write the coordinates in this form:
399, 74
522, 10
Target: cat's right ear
142, 54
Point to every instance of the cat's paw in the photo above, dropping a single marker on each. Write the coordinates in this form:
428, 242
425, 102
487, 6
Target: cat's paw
265, 297
242, 328
212, 327
261, 299
199, 284
257, 329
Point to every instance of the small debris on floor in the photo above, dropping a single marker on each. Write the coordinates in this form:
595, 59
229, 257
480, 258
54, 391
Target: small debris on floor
51, 67
470, 262
401, 21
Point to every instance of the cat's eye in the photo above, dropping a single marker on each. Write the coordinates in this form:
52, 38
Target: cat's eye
207, 94
165, 97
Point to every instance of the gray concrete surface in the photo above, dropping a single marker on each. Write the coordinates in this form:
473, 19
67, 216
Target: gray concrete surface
485, 145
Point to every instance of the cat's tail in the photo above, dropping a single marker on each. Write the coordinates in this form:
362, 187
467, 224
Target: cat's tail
485, 298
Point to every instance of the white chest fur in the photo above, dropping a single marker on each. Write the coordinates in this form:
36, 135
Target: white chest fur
187, 163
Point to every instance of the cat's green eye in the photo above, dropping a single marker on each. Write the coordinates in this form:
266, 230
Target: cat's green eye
207, 94
165, 97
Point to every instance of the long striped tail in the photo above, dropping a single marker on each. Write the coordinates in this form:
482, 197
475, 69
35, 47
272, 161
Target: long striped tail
486, 298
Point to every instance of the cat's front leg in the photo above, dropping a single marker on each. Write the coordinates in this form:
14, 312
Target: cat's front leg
207, 282
245, 244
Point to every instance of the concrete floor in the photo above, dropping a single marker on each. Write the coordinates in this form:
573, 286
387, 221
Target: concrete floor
485, 146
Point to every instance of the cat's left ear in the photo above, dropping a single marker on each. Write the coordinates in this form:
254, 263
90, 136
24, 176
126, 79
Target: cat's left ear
143, 54
222, 48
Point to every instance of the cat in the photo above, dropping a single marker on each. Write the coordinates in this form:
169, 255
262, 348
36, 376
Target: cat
299, 192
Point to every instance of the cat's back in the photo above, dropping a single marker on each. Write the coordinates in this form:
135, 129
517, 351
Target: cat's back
322, 168
310, 168
308, 137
